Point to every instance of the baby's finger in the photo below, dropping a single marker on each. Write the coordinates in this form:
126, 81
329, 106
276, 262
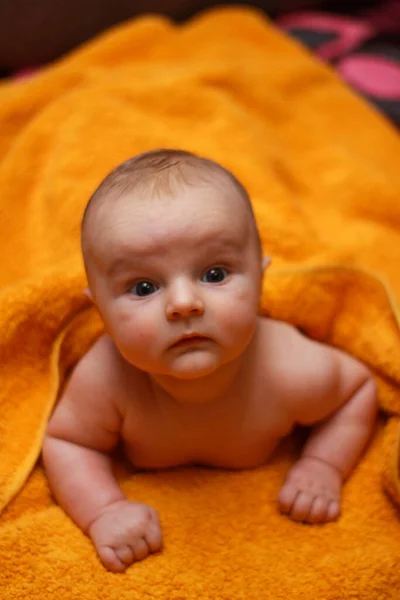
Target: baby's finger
153, 537
154, 516
286, 497
333, 510
140, 549
110, 559
301, 507
318, 511
125, 554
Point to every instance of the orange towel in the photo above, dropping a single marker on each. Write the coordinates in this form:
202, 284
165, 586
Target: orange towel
323, 172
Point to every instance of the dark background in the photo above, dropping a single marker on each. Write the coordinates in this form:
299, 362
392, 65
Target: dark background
33, 32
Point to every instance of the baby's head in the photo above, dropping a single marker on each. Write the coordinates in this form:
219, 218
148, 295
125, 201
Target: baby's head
174, 262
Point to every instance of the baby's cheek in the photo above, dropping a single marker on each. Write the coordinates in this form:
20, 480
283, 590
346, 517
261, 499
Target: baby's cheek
244, 299
238, 314
242, 320
132, 328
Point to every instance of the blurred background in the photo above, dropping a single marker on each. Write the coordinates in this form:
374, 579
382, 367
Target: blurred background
360, 38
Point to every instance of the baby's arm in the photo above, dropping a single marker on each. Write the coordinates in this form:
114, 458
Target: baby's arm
338, 394
82, 431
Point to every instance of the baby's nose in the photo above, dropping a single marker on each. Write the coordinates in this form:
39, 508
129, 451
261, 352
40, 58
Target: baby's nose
183, 301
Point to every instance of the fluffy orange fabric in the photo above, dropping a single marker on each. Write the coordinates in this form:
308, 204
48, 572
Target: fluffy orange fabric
323, 173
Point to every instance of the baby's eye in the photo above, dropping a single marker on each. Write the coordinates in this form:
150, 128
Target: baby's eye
143, 288
214, 275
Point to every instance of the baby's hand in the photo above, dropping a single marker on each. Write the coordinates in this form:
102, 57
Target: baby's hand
311, 492
125, 532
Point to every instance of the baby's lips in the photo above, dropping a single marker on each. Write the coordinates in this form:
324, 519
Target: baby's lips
187, 340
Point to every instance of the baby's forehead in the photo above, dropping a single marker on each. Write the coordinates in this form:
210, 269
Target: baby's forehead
148, 222
219, 196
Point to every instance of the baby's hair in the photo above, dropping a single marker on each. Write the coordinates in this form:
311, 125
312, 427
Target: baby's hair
161, 171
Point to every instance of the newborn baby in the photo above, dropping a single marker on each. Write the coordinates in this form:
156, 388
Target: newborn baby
187, 372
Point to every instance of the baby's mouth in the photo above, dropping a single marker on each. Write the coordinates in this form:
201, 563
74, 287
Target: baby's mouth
194, 339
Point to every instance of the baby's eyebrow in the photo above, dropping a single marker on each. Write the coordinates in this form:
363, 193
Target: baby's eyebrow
125, 261
118, 265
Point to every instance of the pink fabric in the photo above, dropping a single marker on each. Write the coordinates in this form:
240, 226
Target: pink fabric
373, 75
350, 33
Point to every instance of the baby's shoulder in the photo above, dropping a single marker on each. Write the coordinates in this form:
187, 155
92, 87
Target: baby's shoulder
97, 365
281, 338
102, 372
290, 357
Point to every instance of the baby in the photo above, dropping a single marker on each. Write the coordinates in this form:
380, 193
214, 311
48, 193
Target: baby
187, 372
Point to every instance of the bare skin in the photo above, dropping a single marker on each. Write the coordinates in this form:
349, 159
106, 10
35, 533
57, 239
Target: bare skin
189, 374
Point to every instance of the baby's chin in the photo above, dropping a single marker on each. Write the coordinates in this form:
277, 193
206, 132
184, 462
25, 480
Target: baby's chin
189, 365
193, 365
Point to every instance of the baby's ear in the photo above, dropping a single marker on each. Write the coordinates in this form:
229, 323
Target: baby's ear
266, 261
88, 293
